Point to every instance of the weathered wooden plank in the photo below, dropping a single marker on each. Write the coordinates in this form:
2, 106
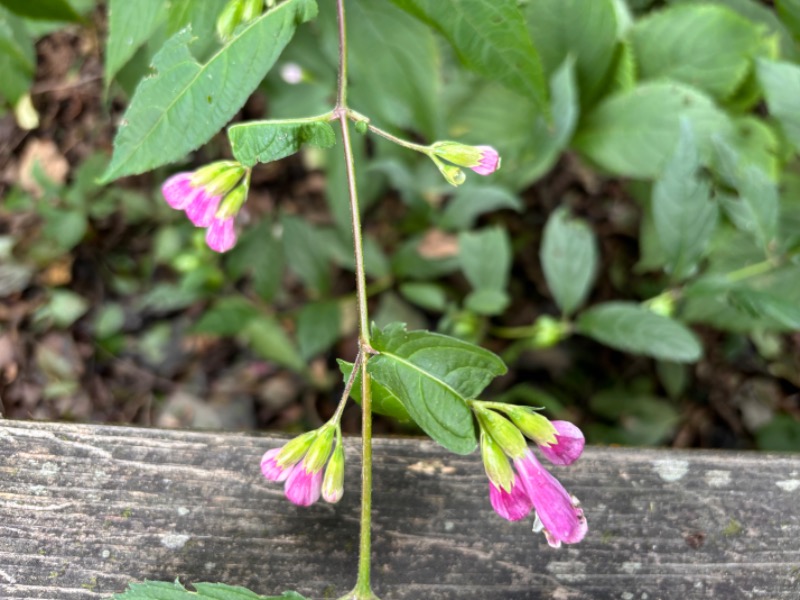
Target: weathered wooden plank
86, 509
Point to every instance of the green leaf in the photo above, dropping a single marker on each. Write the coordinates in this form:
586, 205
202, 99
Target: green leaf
633, 133
433, 376
471, 201
789, 12
707, 46
394, 65
684, 214
782, 434
587, 31
383, 401
162, 590
260, 254
487, 301
632, 328
228, 316
130, 24
64, 308
45, 10
269, 340
109, 320
17, 57
489, 38
641, 420
784, 312
265, 141
485, 258
430, 296
184, 103
318, 327
307, 253
569, 259
781, 83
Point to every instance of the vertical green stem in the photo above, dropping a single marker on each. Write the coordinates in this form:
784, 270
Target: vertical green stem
362, 590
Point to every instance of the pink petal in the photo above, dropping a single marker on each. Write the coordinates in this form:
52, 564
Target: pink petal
301, 487
202, 209
513, 505
559, 514
569, 444
270, 467
490, 161
178, 190
221, 235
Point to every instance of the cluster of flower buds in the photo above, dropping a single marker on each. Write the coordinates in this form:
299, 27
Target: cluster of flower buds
235, 13
484, 160
300, 464
211, 197
515, 490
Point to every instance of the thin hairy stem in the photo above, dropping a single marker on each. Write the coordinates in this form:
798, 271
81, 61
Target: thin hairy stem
348, 387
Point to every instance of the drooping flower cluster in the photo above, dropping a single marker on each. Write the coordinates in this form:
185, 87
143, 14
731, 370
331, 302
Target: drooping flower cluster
211, 197
299, 465
484, 160
514, 491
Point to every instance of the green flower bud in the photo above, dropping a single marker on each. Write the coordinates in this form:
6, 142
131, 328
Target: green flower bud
453, 175
535, 426
333, 481
503, 431
233, 201
251, 10
362, 126
498, 468
229, 19
295, 448
663, 304
225, 180
206, 174
320, 449
548, 332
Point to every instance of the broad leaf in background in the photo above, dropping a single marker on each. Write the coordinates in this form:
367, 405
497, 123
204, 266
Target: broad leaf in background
228, 316
684, 214
318, 327
384, 402
269, 340
162, 590
757, 209
553, 137
46, 10
584, 30
17, 57
781, 83
471, 201
433, 376
706, 46
394, 64
642, 419
130, 24
264, 141
634, 133
569, 259
259, 254
632, 328
485, 258
196, 99
786, 313
489, 38
789, 12
308, 253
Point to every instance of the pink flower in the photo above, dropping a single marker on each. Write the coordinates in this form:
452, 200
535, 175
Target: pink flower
558, 513
569, 444
489, 161
178, 190
513, 505
303, 487
270, 467
221, 235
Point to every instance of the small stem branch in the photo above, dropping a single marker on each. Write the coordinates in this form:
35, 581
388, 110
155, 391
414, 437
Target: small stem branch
348, 387
397, 140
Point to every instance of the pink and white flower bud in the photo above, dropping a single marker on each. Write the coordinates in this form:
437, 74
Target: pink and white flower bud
568, 446
221, 234
512, 505
489, 161
303, 487
271, 468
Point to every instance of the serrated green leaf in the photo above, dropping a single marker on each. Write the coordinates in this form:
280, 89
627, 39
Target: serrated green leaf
587, 31
706, 46
433, 376
130, 24
485, 258
632, 328
569, 259
383, 401
269, 340
264, 141
489, 38
318, 327
471, 201
161, 590
781, 84
634, 132
228, 316
47, 10
684, 214
184, 103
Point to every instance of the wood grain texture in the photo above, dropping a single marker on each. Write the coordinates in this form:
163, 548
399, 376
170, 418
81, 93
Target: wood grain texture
86, 509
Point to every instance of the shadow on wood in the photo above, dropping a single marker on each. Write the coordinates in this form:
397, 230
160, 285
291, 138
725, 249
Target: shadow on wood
84, 510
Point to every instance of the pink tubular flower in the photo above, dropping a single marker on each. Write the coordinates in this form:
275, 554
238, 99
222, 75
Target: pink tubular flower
569, 444
557, 512
489, 161
513, 505
303, 486
270, 467
221, 235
